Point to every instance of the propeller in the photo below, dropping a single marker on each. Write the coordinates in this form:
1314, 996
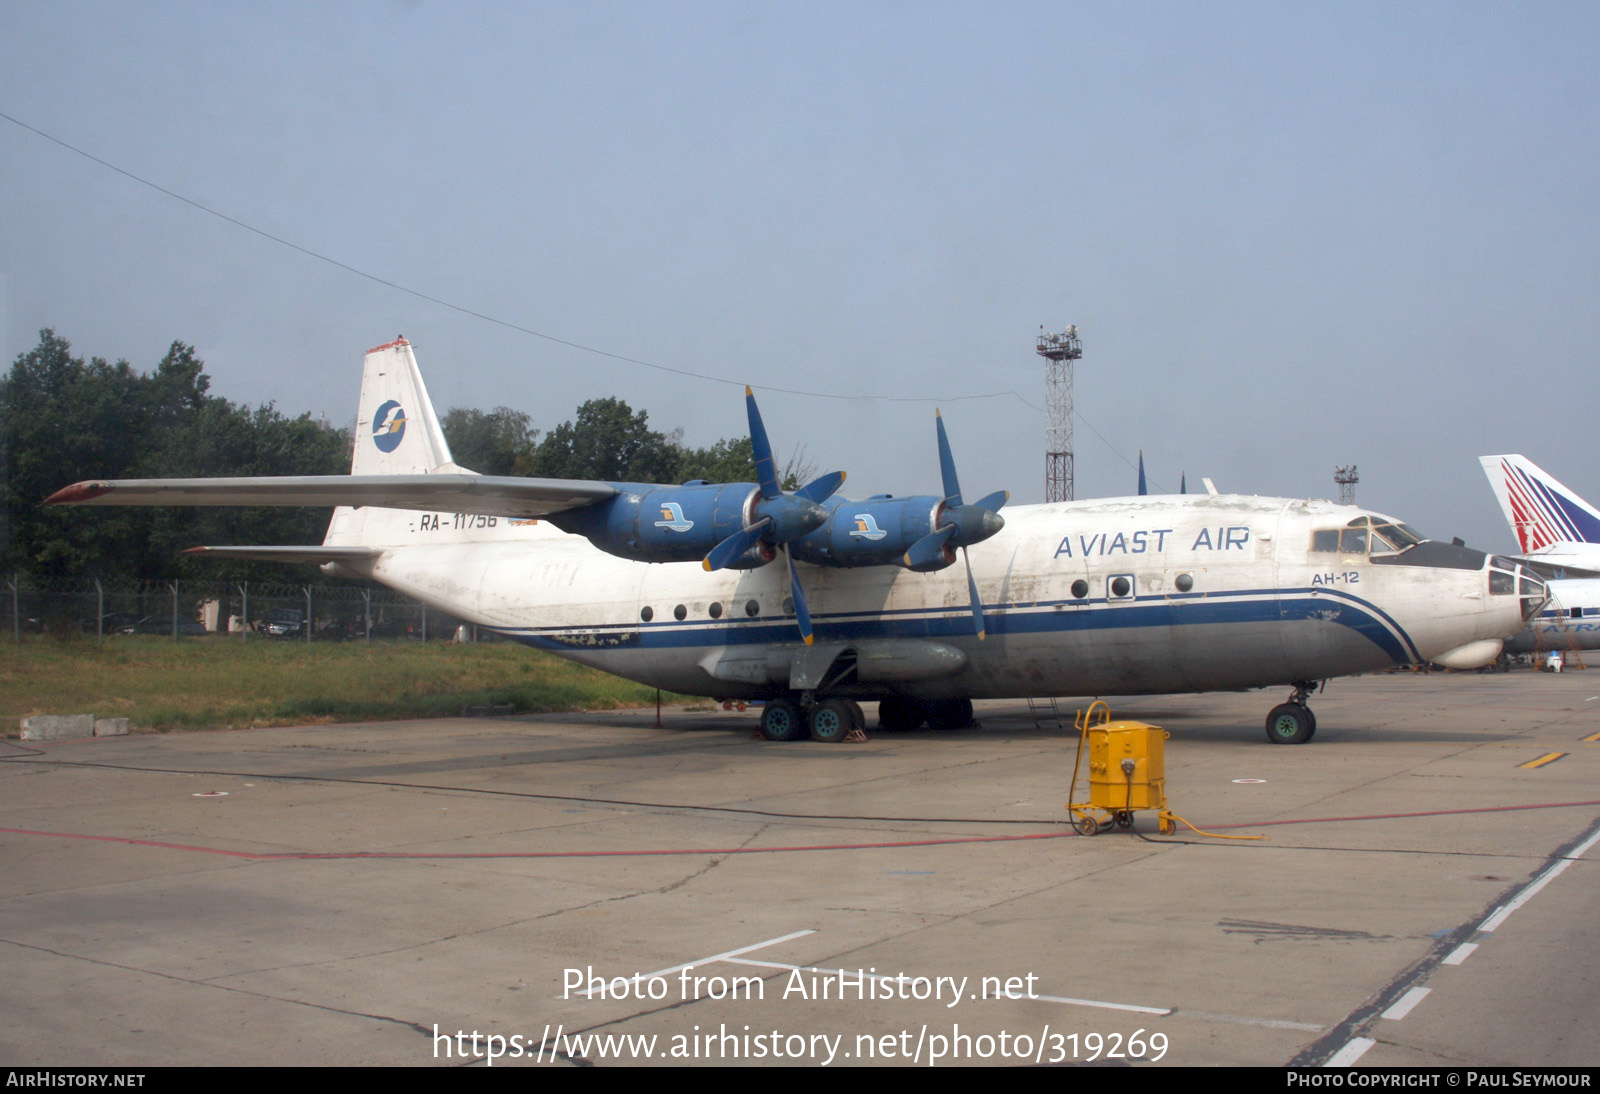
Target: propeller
776, 518
957, 525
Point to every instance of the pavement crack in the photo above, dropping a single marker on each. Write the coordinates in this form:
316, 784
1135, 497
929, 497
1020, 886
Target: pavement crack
174, 978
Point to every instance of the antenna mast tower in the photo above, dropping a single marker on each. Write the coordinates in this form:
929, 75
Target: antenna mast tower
1058, 351
1347, 478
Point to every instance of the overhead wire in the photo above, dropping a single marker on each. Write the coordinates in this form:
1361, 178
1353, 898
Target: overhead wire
519, 328
487, 318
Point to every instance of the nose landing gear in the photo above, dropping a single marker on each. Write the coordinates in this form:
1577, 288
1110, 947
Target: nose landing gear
1292, 723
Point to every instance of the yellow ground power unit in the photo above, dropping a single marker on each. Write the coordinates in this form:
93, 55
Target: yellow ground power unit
1127, 772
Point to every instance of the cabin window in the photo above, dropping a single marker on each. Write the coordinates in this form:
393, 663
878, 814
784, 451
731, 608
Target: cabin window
1080, 589
1120, 586
646, 613
716, 609
752, 607
788, 605
1185, 582
680, 613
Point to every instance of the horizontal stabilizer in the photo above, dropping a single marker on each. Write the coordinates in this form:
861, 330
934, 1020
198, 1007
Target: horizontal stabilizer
316, 554
490, 495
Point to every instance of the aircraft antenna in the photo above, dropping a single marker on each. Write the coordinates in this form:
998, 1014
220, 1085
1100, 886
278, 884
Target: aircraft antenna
1058, 351
1347, 478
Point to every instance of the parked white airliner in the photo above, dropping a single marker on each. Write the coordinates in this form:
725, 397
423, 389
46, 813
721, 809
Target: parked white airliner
1559, 532
1109, 597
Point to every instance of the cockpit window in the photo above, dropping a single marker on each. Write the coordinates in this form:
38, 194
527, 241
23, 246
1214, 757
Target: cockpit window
1501, 584
1362, 535
1399, 536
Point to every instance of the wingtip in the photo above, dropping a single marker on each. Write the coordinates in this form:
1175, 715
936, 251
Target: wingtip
78, 493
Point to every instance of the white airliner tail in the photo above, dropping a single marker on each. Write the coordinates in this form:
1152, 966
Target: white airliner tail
397, 431
1549, 519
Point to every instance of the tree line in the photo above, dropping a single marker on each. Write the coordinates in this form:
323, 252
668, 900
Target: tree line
64, 419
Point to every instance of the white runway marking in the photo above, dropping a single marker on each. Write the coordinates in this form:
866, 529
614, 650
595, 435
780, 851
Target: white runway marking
1460, 953
1403, 1005
724, 956
1540, 882
1350, 1053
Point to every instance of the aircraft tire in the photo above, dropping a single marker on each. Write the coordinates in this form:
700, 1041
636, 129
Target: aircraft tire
1290, 724
781, 720
831, 721
898, 715
950, 714
858, 717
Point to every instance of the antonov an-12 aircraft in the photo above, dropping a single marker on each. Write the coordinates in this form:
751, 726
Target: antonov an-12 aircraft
681, 587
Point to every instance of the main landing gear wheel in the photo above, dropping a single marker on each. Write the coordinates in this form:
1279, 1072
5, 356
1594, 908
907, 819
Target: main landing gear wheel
1290, 724
899, 715
781, 720
831, 721
950, 714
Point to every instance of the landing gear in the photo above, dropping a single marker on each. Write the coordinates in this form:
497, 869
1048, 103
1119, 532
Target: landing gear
832, 720
900, 715
1292, 723
781, 720
949, 714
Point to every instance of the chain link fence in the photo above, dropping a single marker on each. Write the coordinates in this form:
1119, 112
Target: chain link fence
244, 612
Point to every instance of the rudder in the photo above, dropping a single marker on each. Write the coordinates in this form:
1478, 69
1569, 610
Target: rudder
397, 431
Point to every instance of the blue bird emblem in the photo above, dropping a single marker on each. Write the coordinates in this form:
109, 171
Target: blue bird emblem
867, 528
672, 517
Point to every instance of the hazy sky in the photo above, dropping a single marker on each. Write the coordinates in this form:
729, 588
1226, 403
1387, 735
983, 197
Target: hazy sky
1292, 235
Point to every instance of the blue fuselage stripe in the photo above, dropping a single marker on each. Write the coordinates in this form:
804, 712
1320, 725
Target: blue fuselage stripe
1043, 617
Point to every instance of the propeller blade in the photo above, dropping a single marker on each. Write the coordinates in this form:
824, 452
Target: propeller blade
731, 549
947, 465
992, 501
928, 553
1143, 490
977, 605
820, 490
801, 613
761, 448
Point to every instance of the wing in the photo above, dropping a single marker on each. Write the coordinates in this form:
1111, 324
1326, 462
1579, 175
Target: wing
490, 495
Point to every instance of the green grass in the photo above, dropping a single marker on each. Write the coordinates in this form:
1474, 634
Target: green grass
205, 683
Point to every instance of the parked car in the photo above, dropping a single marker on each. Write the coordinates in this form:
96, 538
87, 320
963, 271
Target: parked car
162, 624
283, 623
113, 623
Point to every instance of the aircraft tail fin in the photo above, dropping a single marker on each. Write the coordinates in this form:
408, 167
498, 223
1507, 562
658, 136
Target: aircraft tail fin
1540, 510
397, 431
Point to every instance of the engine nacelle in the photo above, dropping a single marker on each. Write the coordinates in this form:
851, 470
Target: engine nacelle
667, 523
875, 532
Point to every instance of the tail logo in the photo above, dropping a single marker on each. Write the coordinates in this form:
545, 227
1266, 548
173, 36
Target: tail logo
867, 528
672, 517
388, 426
